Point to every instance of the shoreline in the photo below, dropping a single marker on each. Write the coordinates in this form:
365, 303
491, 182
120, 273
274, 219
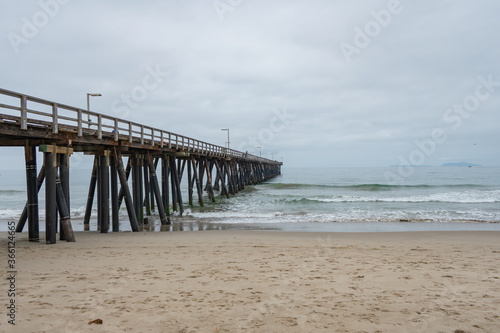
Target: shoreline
183, 224
255, 281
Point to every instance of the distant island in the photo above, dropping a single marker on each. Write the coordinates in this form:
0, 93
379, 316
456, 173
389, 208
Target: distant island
461, 164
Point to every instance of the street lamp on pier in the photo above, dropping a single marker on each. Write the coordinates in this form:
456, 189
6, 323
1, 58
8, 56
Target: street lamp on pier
226, 129
88, 103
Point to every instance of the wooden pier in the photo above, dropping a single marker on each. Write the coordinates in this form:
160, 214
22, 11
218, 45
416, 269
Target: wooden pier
157, 161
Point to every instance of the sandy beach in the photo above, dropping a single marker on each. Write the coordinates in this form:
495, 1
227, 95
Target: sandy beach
255, 281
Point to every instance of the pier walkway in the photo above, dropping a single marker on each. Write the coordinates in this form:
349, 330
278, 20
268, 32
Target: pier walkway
158, 161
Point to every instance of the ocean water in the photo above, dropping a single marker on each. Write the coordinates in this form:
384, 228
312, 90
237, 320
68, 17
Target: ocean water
318, 199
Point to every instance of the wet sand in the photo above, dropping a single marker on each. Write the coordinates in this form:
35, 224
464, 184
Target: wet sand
258, 281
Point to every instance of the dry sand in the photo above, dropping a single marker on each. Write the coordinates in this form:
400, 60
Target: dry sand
252, 281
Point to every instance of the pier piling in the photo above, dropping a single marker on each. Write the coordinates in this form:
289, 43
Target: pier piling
62, 207
50, 198
114, 195
126, 191
31, 207
90, 197
64, 181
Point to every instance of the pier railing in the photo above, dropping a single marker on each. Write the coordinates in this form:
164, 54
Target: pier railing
33, 112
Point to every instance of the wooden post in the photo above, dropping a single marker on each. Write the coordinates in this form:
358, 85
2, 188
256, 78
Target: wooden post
198, 185
250, 173
136, 187
147, 189
173, 183
223, 183
217, 179
211, 169
156, 189
247, 174
201, 171
24, 214
190, 184
114, 196
31, 207
241, 168
178, 188
98, 187
153, 208
64, 183
62, 206
165, 165
133, 161
104, 193
90, 198
50, 198
234, 172
127, 175
126, 192
210, 190
141, 189
229, 177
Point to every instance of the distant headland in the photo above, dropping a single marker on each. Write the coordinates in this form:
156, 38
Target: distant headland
461, 164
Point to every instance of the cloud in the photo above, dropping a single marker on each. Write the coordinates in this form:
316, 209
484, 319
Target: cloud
268, 56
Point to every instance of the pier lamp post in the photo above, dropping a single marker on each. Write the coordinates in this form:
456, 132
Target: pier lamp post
260, 151
227, 129
88, 103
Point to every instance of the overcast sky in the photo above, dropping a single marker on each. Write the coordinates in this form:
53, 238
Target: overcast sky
319, 83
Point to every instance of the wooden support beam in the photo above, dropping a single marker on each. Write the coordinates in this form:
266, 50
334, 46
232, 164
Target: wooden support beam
114, 196
241, 175
64, 181
136, 187
165, 169
50, 198
133, 162
147, 189
24, 214
236, 176
90, 197
198, 184
127, 175
178, 188
55, 149
141, 188
31, 207
165, 220
173, 182
229, 176
201, 171
210, 190
217, 178
62, 206
252, 174
126, 192
211, 170
223, 183
153, 208
103, 204
190, 184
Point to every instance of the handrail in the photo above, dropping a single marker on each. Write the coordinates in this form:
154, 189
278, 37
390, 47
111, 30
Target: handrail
117, 128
